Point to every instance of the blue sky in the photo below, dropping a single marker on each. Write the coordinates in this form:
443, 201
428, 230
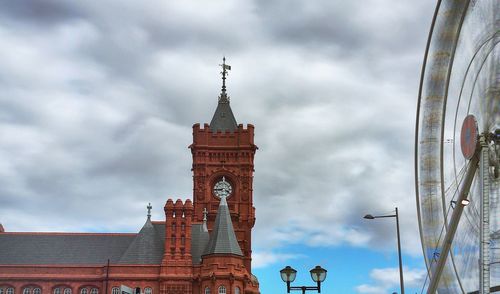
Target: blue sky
98, 100
348, 269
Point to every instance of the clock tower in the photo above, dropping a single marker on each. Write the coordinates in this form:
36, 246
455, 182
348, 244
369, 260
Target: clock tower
223, 154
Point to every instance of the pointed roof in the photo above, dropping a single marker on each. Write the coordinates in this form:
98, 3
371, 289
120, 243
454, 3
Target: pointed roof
223, 239
223, 119
146, 248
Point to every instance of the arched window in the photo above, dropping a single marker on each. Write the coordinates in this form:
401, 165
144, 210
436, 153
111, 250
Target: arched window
237, 290
26, 291
148, 290
57, 290
115, 290
10, 290
37, 291
94, 291
2, 291
67, 290
84, 291
222, 290
207, 290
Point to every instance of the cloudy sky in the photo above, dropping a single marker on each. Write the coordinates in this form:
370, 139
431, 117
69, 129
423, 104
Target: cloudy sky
98, 99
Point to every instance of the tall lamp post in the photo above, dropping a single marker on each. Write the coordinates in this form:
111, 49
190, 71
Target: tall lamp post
288, 274
401, 282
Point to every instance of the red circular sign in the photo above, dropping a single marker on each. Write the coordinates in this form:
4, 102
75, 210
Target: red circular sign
468, 136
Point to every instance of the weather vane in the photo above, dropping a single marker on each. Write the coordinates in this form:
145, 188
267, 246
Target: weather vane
225, 68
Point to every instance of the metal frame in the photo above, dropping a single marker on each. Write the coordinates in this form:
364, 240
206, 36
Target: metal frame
302, 288
484, 249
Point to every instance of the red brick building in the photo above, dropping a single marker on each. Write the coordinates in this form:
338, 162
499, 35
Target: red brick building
203, 246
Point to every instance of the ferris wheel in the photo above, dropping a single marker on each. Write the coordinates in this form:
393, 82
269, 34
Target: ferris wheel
457, 148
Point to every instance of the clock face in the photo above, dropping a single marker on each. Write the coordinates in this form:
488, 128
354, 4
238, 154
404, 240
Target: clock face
222, 188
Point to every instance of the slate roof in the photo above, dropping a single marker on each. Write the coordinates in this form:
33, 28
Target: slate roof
146, 248
62, 248
199, 237
223, 119
223, 239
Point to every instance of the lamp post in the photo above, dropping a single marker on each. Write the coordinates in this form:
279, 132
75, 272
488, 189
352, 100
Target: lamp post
288, 274
401, 282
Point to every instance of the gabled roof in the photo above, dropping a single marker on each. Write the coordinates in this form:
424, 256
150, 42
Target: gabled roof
223, 239
223, 119
146, 248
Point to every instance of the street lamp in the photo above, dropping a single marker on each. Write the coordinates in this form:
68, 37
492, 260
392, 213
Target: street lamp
401, 282
288, 274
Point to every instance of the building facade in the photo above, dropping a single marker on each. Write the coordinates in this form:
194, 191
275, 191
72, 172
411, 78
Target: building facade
202, 246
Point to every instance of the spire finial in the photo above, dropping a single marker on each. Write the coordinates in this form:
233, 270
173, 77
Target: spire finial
149, 210
225, 68
205, 212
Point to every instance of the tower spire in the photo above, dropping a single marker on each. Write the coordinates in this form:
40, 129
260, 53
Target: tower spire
223, 119
223, 238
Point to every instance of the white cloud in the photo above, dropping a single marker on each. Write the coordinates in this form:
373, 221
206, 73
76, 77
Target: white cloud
262, 259
384, 279
369, 289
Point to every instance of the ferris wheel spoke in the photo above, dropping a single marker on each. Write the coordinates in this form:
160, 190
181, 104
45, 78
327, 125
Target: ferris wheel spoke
453, 189
453, 224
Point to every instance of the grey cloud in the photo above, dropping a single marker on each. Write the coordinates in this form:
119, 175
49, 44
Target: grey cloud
356, 29
38, 13
311, 22
97, 112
